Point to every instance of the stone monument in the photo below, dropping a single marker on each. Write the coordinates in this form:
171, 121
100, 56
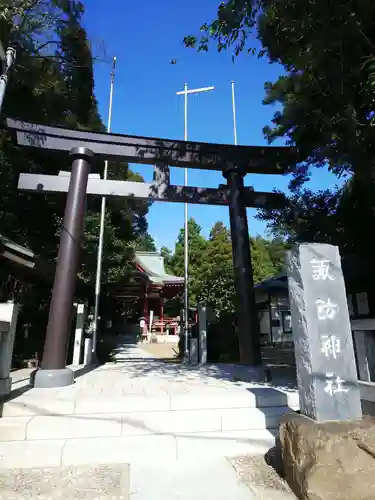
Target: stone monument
326, 369
8, 325
328, 450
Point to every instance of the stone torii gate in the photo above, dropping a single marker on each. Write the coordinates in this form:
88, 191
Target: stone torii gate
86, 147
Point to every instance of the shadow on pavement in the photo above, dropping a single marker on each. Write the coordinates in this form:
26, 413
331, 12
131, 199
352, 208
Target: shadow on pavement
129, 357
19, 391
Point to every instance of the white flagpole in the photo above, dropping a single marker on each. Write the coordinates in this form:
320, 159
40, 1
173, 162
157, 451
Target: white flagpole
185, 93
234, 115
102, 221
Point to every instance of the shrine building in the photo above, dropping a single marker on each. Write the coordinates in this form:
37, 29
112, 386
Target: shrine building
149, 287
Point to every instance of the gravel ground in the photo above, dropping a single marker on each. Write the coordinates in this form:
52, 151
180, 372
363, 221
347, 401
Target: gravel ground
261, 478
104, 482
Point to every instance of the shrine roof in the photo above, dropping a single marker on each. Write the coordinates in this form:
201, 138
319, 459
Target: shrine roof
280, 281
152, 264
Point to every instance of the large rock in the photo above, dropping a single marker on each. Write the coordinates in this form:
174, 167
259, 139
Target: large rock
329, 460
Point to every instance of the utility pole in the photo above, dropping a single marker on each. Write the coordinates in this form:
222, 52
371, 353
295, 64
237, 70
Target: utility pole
234, 115
185, 93
102, 221
7, 59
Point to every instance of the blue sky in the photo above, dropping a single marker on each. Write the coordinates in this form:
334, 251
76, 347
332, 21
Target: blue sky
145, 37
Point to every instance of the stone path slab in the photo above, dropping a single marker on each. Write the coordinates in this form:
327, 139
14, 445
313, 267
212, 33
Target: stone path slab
188, 480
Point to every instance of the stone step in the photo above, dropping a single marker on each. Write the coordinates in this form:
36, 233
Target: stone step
170, 423
141, 449
107, 482
39, 402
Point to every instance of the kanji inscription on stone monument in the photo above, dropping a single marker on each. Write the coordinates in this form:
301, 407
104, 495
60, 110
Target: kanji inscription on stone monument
326, 370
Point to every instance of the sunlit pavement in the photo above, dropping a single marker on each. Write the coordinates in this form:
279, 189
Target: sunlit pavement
153, 414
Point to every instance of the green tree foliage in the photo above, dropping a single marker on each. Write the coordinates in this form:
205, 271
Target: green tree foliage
327, 104
197, 265
166, 253
219, 247
217, 284
52, 82
261, 259
327, 94
79, 77
36, 91
125, 230
217, 289
36, 29
146, 243
308, 217
117, 250
211, 268
276, 249
336, 217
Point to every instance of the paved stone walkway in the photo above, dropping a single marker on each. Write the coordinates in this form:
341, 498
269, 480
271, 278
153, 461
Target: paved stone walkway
138, 373
147, 409
173, 423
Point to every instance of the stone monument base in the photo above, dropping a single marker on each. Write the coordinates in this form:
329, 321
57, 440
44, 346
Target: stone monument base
45, 379
329, 460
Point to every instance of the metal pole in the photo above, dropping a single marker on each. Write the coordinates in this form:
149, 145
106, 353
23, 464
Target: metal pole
234, 115
8, 62
185, 93
102, 222
186, 239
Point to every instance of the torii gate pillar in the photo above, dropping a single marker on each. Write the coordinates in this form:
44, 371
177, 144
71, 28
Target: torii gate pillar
247, 316
53, 371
